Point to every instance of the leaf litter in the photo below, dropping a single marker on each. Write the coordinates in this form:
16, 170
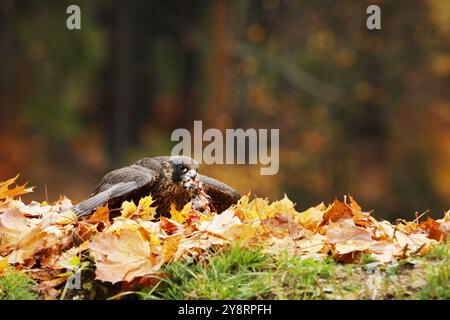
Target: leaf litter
44, 239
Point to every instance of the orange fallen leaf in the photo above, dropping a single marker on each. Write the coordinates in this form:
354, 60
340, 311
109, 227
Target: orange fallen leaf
339, 210
434, 229
100, 215
6, 192
170, 227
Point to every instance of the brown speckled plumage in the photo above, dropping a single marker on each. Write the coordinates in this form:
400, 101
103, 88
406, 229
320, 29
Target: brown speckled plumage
161, 177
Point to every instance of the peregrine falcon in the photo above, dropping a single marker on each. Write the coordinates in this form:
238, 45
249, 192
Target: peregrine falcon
164, 178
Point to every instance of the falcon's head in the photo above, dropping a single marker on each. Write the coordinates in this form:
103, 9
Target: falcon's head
182, 169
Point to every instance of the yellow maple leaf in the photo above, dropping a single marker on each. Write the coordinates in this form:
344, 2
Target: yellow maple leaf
148, 236
248, 210
259, 208
170, 248
128, 209
180, 216
146, 211
311, 218
3, 265
284, 205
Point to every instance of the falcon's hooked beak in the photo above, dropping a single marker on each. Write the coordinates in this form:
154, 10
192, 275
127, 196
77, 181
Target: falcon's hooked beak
191, 174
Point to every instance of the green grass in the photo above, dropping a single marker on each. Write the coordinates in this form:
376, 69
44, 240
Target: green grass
250, 274
245, 274
296, 278
236, 274
437, 274
440, 252
366, 259
16, 286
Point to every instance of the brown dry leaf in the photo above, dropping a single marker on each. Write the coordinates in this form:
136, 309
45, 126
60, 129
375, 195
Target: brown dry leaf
408, 242
347, 237
34, 209
84, 232
339, 210
351, 257
359, 217
220, 223
313, 244
385, 251
277, 246
40, 238
47, 288
123, 257
346, 229
445, 224
352, 246
307, 247
280, 225
44, 274
434, 229
13, 225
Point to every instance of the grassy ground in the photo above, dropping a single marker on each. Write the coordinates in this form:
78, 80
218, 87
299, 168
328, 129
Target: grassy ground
241, 274
250, 274
16, 286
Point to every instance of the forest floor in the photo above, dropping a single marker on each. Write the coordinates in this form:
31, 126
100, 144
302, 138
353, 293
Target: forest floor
252, 274
253, 250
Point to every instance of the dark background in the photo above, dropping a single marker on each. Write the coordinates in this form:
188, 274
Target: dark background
360, 112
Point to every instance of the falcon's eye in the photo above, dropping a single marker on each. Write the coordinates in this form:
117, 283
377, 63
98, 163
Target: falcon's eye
182, 168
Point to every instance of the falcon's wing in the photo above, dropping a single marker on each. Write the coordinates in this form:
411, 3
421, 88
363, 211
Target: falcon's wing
222, 195
115, 184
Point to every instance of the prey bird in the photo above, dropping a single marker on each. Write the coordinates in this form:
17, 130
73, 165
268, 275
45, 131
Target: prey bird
165, 178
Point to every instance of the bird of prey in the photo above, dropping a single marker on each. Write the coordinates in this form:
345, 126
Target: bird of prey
164, 178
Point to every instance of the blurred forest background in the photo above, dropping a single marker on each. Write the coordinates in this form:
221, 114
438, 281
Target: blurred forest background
360, 112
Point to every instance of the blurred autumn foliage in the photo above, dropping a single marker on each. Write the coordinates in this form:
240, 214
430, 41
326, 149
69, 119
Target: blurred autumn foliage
361, 112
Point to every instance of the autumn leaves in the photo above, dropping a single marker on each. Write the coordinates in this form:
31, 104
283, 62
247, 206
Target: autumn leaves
134, 246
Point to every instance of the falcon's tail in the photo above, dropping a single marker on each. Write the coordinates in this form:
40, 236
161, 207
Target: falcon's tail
86, 207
